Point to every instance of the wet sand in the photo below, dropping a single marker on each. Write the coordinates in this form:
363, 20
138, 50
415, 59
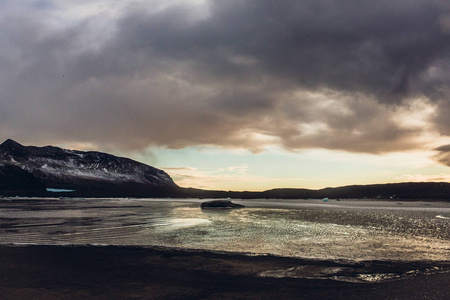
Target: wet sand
354, 230
111, 272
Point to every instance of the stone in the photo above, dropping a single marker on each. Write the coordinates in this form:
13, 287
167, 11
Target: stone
220, 204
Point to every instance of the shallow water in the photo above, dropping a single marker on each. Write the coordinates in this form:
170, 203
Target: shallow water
355, 230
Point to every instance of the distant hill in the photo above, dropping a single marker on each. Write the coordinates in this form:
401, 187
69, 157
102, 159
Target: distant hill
390, 191
30, 171
407, 190
86, 173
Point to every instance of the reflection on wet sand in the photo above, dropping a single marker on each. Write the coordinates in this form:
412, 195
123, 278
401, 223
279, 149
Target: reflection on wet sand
354, 230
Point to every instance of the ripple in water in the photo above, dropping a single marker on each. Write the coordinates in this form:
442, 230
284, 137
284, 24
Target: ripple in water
334, 230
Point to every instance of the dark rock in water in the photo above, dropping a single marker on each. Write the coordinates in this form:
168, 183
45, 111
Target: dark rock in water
220, 204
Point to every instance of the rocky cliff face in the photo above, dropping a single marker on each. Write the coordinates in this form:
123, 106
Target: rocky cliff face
13, 179
83, 171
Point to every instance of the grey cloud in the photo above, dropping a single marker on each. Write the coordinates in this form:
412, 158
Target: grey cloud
442, 118
43, 5
379, 48
347, 123
445, 148
443, 154
175, 78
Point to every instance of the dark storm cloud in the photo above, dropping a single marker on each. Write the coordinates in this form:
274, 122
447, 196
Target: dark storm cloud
378, 48
329, 74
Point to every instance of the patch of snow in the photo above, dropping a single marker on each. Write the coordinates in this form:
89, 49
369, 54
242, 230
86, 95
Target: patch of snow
58, 190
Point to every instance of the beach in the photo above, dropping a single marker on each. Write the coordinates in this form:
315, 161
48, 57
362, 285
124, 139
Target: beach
111, 272
350, 230
160, 249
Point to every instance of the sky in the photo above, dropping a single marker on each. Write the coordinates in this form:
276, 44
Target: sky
235, 95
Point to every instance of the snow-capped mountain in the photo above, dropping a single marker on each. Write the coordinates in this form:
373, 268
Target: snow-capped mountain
78, 170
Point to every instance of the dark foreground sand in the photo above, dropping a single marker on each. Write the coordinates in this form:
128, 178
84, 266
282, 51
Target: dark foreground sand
82, 272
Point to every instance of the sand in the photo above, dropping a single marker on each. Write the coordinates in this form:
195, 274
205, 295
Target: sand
118, 272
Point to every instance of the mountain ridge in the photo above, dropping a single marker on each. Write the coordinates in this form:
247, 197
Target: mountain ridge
31, 170
84, 171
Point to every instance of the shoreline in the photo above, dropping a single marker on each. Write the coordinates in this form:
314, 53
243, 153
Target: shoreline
56, 196
102, 272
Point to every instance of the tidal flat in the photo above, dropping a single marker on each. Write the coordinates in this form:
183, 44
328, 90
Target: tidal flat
336, 248
348, 229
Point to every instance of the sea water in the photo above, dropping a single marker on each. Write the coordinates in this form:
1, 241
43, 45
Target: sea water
347, 229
